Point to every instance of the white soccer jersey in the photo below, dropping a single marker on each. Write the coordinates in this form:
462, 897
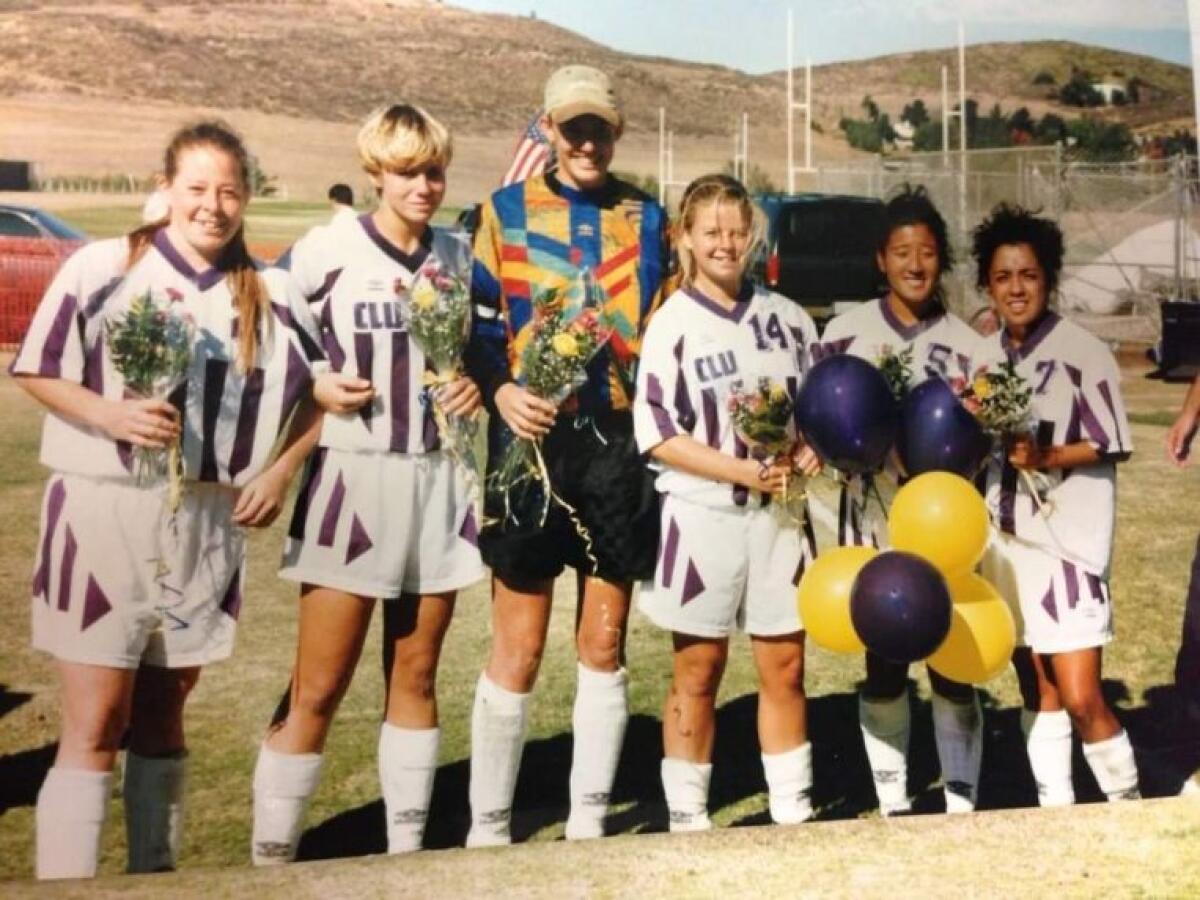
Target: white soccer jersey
942, 347
694, 355
942, 344
231, 421
1076, 397
356, 283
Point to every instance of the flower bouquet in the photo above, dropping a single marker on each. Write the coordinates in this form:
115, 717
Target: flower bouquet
762, 418
569, 328
896, 367
150, 345
439, 321
1001, 400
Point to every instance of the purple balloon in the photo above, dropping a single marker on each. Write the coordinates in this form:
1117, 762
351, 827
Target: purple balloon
900, 607
937, 434
847, 413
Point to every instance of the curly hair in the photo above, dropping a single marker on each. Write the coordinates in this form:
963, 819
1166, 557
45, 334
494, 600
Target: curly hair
1009, 224
911, 205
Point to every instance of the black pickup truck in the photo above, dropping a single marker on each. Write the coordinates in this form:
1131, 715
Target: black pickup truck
820, 249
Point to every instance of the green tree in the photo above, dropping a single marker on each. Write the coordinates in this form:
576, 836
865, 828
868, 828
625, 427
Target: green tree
915, 113
870, 107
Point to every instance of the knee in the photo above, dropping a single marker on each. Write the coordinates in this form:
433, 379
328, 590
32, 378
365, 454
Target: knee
96, 730
317, 695
783, 676
698, 679
515, 662
600, 649
415, 675
1086, 708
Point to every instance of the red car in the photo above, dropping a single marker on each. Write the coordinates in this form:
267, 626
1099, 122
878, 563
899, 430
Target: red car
33, 244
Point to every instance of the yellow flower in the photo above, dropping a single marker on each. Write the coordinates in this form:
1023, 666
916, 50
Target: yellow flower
565, 344
423, 296
778, 394
982, 387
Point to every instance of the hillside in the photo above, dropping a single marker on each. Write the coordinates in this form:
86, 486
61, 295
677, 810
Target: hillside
283, 65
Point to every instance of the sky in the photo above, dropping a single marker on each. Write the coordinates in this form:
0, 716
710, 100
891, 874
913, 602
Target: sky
751, 34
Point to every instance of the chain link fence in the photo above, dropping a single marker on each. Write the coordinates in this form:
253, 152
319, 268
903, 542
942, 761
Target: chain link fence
1132, 228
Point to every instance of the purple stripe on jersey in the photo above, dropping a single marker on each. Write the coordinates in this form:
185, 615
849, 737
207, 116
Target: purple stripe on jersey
50, 365
247, 421
1090, 423
685, 413
95, 604
54, 507
412, 261
1071, 574
662, 419
93, 367
470, 529
693, 584
830, 348
231, 603
1074, 432
934, 314
1095, 585
1034, 337
1075, 374
430, 439
741, 493
364, 360
1048, 603
333, 349
203, 280
670, 548
740, 307
708, 404
1107, 395
295, 382
311, 350
215, 371
333, 512
808, 534
399, 397
96, 299
125, 455
327, 284
1008, 498
360, 541
308, 489
799, 573
67, 570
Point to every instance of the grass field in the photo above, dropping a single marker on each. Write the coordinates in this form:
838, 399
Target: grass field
1156, 531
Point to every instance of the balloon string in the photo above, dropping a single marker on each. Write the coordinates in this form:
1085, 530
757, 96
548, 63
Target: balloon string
571, 511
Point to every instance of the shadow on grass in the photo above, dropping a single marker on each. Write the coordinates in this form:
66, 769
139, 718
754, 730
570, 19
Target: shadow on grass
22, 774
842, 783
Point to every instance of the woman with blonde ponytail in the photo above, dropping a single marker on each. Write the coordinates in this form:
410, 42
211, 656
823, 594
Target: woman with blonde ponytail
132, 598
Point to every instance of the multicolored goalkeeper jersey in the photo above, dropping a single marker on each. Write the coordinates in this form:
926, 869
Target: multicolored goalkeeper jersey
536, 235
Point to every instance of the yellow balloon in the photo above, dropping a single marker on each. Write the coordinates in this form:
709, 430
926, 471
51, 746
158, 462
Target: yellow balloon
982, 634
941, 517
824, 598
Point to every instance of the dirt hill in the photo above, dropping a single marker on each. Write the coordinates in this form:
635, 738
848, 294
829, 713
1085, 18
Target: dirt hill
284, 66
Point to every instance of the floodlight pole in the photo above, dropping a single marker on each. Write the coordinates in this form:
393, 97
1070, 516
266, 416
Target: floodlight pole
946, 114
662, 149
793, 107
962, 128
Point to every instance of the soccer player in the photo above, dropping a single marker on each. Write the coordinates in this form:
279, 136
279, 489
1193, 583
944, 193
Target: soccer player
381, 513
1187, 661
716, 336
130, 599
914, 252
1052, 563
533, 235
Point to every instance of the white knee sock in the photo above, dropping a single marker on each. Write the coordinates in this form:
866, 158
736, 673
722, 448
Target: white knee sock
599, 719
498, 723
789, 784
685, 785
154, 798
283, 784
958, 732
885, 726
1048, 743
1112, 763
71, 807
407, 763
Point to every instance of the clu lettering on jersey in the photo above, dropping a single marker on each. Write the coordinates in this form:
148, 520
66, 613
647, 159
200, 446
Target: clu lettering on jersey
718, 365
378, 316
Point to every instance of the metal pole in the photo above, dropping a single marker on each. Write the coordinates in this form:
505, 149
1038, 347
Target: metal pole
808, 113
745, 147
662, 169
962, 129
791, 128
945, 120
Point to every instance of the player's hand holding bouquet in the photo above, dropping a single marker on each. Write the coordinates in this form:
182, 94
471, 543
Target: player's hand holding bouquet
1001, 399
762, 417
150, 344
568, 329
439, 321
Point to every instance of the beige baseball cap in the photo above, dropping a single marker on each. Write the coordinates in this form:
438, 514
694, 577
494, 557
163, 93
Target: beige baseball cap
578, 90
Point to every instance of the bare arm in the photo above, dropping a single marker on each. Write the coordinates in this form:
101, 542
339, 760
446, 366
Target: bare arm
1025, 454
1179, 437
144, 423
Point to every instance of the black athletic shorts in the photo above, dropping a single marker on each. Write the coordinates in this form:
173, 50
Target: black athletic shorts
594, 466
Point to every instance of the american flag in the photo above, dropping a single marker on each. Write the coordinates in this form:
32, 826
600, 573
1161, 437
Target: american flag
532, 156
